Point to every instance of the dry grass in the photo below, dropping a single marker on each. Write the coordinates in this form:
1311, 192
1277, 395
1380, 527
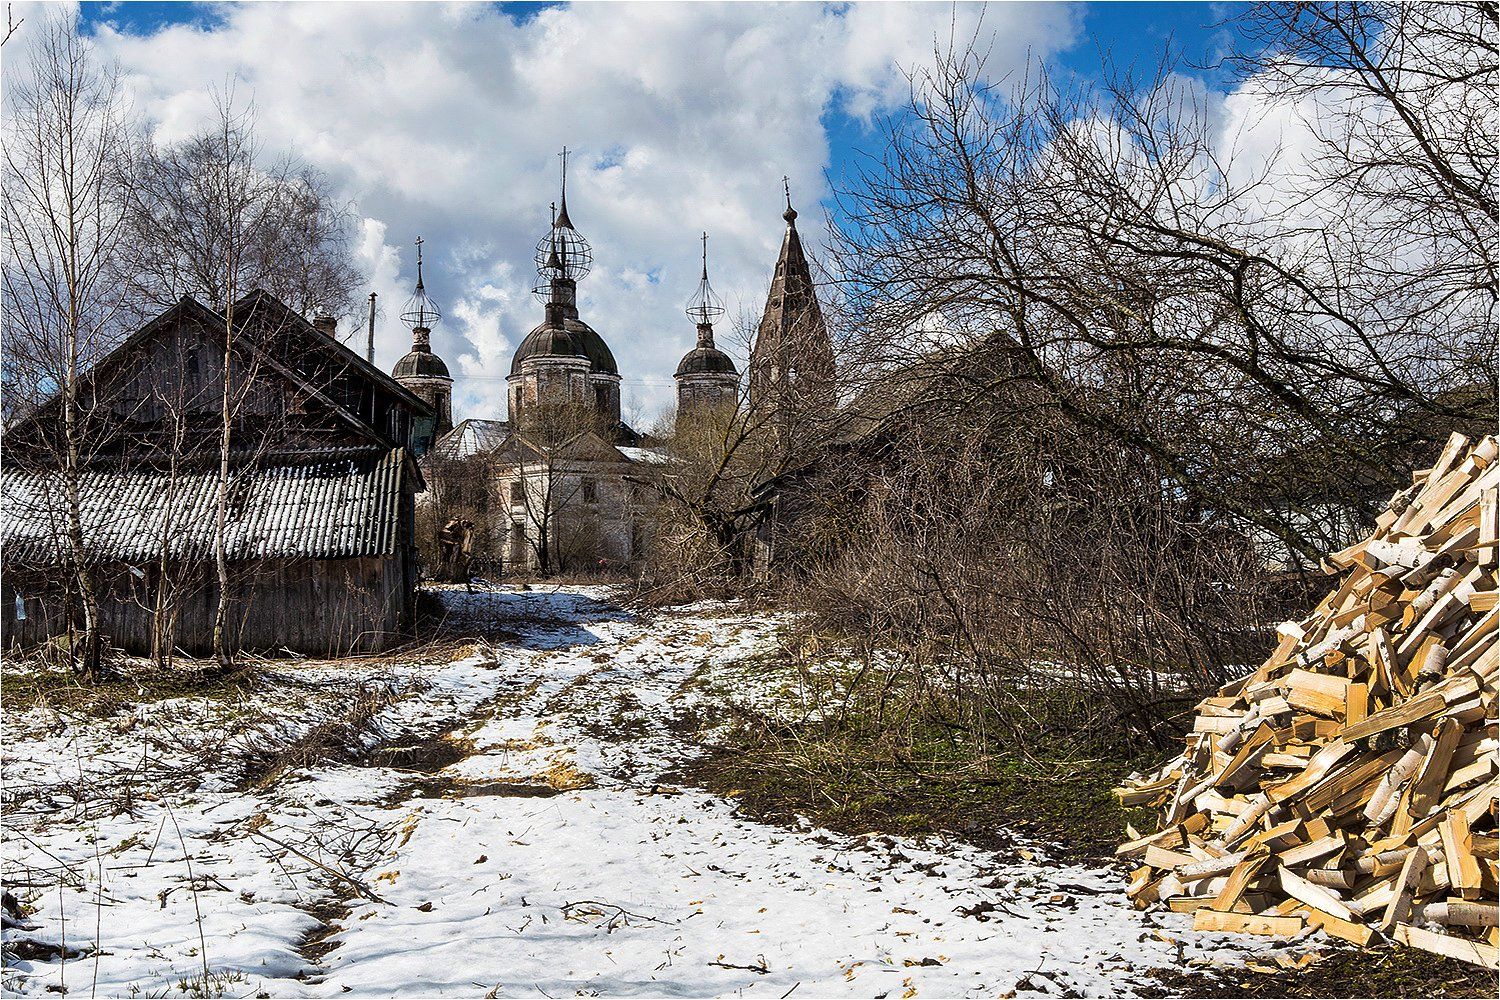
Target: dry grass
334, 740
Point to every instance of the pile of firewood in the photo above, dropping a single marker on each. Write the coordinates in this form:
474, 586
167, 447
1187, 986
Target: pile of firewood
1349, 784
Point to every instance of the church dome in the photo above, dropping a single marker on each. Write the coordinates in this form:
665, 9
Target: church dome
706, 361
423, 314
574, 339
420, 363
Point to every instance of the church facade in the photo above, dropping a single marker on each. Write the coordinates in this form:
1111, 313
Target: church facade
563, 484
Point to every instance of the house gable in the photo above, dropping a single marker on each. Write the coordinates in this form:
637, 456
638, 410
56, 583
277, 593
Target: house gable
160, 393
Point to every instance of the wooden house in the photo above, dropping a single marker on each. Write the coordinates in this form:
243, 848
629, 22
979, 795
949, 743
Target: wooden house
319, 506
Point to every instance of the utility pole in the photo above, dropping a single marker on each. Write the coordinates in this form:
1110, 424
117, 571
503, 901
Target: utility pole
370, 340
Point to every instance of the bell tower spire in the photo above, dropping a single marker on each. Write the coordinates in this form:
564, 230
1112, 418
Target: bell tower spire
562, 216
791, 363
705, 306
420, 310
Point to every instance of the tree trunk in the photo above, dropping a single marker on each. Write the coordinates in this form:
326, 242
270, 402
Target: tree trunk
88, 665
223, 652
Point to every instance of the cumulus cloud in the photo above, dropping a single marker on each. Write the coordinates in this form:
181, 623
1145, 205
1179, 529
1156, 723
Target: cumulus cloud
445, 121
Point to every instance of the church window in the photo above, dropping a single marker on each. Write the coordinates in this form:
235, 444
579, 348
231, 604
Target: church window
517, 491
590, 491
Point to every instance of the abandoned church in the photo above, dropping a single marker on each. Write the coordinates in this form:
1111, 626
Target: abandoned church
561, 482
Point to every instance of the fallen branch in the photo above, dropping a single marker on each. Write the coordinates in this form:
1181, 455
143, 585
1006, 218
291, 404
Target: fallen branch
584, 908
360, 887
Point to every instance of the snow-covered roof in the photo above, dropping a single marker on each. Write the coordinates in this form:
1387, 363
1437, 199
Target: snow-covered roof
327, 509
471, 437
646, 456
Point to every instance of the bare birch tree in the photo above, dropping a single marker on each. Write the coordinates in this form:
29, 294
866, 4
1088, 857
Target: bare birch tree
215, 218
200, 218
298, 250
64, 154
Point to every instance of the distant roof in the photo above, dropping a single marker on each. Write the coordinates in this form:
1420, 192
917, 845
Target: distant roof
262, 299
471, 437
645, 456
325, 509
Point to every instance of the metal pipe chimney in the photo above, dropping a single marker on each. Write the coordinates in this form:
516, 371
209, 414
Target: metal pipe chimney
370, 339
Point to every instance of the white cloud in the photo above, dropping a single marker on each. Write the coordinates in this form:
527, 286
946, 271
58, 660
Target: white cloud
445, 120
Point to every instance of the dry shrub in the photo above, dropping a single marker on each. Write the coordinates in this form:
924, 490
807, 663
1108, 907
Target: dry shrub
1038, 580
334, 740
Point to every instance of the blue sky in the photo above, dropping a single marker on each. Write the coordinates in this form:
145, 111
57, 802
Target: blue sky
444, 121
1133, 32
1132, 36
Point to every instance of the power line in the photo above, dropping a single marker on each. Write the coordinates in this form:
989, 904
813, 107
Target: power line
626, 381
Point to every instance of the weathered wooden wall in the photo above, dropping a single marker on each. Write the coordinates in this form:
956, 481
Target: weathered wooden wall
326, 607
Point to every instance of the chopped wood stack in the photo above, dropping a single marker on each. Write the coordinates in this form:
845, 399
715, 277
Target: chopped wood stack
1349, 783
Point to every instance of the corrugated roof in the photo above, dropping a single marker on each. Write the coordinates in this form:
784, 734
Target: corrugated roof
471, 437
329, 509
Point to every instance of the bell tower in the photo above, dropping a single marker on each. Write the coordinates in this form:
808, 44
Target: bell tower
706, 377
422, 372
791, 365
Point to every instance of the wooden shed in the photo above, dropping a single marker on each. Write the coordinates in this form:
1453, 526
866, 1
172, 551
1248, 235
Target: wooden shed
320, 532
316, 553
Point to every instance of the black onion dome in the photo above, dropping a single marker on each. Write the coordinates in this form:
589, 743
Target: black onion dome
706, 361
575, 339
420, 363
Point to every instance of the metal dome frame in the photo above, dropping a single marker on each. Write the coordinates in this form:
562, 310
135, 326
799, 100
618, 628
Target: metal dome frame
564, 254
420, 310
705, 306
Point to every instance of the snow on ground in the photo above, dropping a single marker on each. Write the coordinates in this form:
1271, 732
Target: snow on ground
495, 825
